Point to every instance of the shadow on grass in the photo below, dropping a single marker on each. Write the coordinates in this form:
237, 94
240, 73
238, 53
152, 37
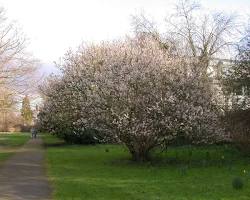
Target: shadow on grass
63, 144
194, 157
52, 141
57, 144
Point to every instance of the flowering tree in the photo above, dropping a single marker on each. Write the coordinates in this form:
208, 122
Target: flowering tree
135, 92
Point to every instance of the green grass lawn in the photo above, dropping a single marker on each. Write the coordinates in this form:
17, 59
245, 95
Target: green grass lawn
9, 143
105, 172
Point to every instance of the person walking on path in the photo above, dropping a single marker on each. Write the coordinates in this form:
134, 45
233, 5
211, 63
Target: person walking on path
33, 132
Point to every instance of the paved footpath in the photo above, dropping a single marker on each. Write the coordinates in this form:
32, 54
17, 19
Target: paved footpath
23, 176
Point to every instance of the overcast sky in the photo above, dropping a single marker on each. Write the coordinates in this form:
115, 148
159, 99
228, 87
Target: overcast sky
53, 26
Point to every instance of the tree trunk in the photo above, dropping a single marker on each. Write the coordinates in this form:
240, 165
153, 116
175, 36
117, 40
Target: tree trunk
140, 155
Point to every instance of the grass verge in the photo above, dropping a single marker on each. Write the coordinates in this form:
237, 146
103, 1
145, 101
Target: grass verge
10, 142
105, 172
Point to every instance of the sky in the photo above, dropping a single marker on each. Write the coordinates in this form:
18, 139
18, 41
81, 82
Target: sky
54, 26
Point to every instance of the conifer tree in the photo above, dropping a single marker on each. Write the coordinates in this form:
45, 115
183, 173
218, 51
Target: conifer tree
26, 111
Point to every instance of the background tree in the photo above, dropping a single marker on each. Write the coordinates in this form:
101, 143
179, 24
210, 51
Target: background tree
18, 69
26, 111
237, 87
16, 65
193, 32
7, 107
237, 79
